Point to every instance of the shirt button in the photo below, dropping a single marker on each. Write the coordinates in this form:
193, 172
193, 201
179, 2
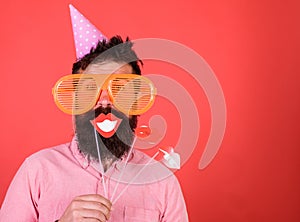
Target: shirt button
85, 164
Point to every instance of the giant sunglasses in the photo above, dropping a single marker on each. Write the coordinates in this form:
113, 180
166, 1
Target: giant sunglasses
78, 93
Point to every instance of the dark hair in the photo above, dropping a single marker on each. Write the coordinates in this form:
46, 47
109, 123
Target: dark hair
115, 49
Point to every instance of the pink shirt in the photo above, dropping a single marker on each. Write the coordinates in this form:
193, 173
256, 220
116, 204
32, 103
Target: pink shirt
48, 181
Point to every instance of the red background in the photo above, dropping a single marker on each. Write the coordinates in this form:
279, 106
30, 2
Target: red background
253, 48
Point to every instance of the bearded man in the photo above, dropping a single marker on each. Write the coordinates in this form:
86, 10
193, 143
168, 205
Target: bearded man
81, 180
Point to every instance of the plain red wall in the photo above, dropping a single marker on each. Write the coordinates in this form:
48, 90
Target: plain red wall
252, 46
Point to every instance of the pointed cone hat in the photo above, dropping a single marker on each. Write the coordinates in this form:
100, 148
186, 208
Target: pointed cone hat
86, 35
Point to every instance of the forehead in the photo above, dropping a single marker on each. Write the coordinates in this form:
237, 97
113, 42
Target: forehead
108, 68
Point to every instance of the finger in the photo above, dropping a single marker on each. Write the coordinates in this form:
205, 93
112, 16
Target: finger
92, 205
90, 220
93, 214
96, 198
80, 205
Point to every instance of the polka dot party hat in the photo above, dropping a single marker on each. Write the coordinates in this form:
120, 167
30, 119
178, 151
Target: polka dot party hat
86, 35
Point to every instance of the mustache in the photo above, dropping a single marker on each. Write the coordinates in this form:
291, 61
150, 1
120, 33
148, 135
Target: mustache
94, 113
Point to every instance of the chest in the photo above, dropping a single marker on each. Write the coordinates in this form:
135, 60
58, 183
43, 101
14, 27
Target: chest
135, 202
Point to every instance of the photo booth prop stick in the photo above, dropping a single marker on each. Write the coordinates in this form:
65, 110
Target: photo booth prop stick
123, 169
142, 131
151, 134
172, 159
134, 178
86, 35
101, 165
149, 137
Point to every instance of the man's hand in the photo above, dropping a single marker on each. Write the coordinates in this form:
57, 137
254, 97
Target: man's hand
92, 207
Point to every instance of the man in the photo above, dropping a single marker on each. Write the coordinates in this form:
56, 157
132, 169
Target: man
97, 176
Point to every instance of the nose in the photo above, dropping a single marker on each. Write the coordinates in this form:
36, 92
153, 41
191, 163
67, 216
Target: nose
104, 99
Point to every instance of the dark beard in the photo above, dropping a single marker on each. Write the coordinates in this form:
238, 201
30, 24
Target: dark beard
111, 148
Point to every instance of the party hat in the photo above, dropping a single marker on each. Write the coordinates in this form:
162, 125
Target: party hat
86, 35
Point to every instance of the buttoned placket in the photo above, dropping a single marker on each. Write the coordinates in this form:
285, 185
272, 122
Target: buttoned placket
107, 179
92, 168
